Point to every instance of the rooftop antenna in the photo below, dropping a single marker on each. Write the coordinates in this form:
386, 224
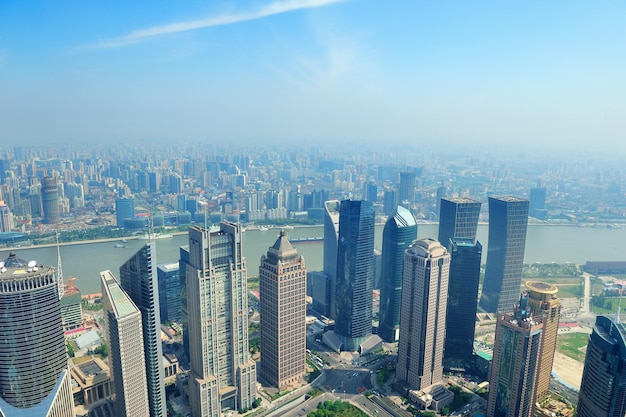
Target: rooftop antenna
59, 269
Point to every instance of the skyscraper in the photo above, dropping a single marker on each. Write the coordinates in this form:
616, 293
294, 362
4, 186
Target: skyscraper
508, 221
122, 321
282, 282
542, 300
399, 232
138, 278
169, 291
222, 374
538, 202
603, 386
423, 314
331, 243
462, 300
34, 376
516, 361
458, 218
6, 218
406, 189
353, 289
124, 209
50, 200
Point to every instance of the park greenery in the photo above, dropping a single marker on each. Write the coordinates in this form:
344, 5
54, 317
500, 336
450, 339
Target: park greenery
336, 408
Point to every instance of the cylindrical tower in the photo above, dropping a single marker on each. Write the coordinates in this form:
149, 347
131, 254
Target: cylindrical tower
50, 201
32, 347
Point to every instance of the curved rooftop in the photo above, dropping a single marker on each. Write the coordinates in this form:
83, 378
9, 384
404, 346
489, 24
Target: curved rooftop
542, 287
427, 247
403, 217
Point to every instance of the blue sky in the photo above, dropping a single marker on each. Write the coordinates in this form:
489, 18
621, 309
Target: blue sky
531, 73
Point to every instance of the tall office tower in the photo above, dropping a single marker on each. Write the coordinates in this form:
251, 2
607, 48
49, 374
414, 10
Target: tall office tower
222, 374
50, 200
538, 202
399, 232
6, 218
282, 284
406, 188
508, 221
169, 291
462, 300
138, 278
516, 361
331, 243
124, 209
542, 300
122, 323
34, 374
423, 314
353, 288
458, 218
390, 201
317, 288
603, 386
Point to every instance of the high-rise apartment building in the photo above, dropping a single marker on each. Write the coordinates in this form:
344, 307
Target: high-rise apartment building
123, 328
6, 218
169, 291
465, 259
542, 300
399, 232
516, 361
603, 386
423, 314
355, 274
282, 284
138, 278
331, 243
50, 200
34, 374
458, 219
508, 221
222, 374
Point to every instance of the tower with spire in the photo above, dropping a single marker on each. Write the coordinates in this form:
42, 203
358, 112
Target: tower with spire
282, 280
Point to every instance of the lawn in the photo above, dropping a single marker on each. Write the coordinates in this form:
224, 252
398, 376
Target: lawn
572, 345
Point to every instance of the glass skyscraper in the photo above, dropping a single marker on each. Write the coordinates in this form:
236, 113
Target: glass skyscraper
355, 274
603, 387
458, 221
138, 278
458, 218
462, 300
508, 221
169, 291
331, 241
34, 376
399, 232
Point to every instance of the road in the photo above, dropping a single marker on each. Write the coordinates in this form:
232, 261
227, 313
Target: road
586, 302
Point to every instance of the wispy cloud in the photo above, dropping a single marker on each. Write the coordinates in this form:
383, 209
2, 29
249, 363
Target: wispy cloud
277, 7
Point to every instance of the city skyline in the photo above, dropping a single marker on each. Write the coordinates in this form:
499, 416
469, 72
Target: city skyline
533, 74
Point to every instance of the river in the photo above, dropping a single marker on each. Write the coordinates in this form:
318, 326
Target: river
544, 244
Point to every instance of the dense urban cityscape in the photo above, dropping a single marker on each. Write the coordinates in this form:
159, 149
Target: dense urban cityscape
312, 208
418, 326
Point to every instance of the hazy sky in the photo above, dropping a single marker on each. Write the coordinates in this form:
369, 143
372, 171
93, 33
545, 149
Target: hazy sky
418, 71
